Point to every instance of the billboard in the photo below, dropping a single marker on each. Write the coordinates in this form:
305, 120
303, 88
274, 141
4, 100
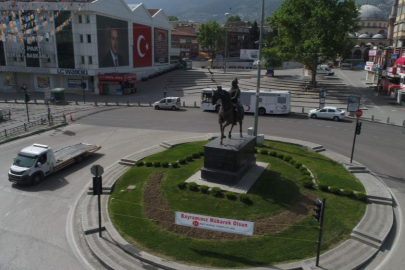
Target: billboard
112, 38
249, 54
142, 49
161, 46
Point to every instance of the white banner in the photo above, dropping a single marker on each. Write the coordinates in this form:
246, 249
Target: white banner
214, 223
249, 54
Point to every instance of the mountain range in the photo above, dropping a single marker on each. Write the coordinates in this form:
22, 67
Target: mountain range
208, 10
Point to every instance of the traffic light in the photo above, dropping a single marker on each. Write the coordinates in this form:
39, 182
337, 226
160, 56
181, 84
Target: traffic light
318, 210
358, 128
27, 98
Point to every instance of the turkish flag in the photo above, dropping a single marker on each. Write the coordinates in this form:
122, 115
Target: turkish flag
142, 45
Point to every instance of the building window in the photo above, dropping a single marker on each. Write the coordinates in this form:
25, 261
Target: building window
90, 60
83, 62
81, 38
379, 24
80, 19
15, 58
47, 39
49, 60
399, 11
88, 38
87, 18
368, 24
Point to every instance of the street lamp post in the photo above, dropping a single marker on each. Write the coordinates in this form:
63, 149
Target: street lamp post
226, 39
258, 73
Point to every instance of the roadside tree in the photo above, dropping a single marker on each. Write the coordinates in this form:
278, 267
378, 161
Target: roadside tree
172, 18
312, 32
211, 37
273, 58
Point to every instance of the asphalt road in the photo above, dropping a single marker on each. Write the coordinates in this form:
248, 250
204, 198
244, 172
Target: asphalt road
35, 222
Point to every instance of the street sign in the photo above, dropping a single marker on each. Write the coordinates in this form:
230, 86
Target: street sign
358, 113
322, 101
322, 93
353, 103
97, 170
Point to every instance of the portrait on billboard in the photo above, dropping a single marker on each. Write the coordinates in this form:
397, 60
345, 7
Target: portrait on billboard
161, 46
142, 49
43, 82
112, 37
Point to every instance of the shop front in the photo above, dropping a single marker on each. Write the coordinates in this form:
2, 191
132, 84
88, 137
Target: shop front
117, 83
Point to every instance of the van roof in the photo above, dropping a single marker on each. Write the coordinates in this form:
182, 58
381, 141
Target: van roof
33, 149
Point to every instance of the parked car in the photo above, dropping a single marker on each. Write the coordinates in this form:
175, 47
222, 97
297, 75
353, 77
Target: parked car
170, 103
324, 69
327, 113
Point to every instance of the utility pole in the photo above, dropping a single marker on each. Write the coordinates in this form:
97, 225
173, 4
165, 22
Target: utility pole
258, 73
226, 39
83, 86
27, 99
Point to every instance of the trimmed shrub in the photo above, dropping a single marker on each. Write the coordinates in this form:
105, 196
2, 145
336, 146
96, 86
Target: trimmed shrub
287, 158
273, 153
189, 158
361, 196
307, 177
156, 164
348, 192
140, 163
165, 164
303, 169
148, 164
306, 173
216, 191
264, 152
204, 189
182, 161
230, 195
182, 185
323, 187
245, 198
196, 155
335, 190
175, 164
256, 150
292, 162
193, 186
280, 156
308, 183
298, 165
201, 153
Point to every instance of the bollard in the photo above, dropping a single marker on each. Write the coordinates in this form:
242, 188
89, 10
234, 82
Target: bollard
128, 103
195, 104
372, 118
303, 109
5, 132
116, 103
388, 120
106, 103
95, 103
25, 127
35, 101
150, 103
184, 104
77, 102
15, 101
139, 104
5, 100
9, 115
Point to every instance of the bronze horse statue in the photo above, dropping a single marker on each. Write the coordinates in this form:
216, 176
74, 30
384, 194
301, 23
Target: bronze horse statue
226, 115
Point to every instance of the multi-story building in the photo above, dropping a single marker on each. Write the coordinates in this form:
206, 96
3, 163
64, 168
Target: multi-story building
186, 42
107, 44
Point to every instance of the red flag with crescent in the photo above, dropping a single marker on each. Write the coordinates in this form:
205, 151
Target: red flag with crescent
142, 45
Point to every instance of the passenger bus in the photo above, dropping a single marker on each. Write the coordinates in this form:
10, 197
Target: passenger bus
276, 102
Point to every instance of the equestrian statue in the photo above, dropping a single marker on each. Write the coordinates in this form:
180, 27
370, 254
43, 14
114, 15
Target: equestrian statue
231, 111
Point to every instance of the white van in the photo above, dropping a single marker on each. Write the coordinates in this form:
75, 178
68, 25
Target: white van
170, 103
324, 69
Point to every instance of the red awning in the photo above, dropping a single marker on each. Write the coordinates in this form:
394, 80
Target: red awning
131, 77
400, 61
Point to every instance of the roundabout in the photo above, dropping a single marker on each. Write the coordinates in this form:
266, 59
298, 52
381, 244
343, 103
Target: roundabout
281, 209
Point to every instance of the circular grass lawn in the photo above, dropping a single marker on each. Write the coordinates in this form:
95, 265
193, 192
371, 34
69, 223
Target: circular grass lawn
281, 209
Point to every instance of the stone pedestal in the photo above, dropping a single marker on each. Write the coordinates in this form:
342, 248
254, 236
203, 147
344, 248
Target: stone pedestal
228, 163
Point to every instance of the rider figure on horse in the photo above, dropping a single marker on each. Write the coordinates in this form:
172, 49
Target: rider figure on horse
235, 94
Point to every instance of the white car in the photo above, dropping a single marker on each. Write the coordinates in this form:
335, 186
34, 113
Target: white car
170, 103
328, 113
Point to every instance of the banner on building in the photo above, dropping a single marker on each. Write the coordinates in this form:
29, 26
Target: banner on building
371, 52
249, 54
161, 46
214, 223
142, 48
353, 104
112, 38
43, 82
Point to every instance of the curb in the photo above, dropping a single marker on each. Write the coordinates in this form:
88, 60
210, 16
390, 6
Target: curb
351, 254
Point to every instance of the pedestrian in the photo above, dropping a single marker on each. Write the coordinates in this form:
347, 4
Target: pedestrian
24, 88
164, 92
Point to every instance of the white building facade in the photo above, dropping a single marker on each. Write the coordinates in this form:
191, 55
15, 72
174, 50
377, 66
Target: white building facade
107, 44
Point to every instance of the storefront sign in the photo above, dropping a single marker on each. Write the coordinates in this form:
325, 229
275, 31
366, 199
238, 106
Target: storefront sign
25, 69
394, 56
369, 68
78, 84
369, 63
43, 82
353, 104
214, 224
65, 71
392, 71
30, 51
371, 52
117, 77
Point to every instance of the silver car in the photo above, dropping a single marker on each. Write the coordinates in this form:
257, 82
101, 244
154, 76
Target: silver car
327, 113
169, 103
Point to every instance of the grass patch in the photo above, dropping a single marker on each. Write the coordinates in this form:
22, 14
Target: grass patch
278, 187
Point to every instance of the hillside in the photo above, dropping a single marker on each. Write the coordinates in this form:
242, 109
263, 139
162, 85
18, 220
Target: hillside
208, 10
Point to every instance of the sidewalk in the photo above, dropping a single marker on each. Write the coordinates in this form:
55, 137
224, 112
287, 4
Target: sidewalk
366, 239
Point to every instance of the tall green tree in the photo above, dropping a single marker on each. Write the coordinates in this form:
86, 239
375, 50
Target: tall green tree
211, 37
254, 35
235, 18
172, 18
273, 58
314, 31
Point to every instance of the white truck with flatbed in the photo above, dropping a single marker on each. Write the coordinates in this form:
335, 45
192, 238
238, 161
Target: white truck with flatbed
37, 161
